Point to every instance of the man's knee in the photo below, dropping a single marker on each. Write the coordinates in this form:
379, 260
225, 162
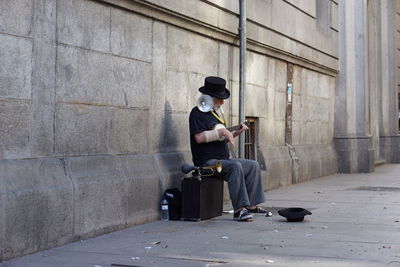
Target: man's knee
232, 169
251, 165
255, 164
230, 164
236, 166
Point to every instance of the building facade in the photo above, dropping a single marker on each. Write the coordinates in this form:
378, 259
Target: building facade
95, 97
366, 104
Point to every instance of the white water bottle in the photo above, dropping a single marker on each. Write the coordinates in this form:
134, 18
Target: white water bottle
164, 210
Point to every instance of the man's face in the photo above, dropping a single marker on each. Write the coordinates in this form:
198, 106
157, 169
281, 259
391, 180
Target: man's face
218, 103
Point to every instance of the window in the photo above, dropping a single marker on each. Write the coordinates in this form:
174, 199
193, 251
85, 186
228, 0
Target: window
250, 139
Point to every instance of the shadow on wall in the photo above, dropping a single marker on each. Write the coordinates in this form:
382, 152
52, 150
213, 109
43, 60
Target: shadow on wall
169, 159
261, 160
169, 138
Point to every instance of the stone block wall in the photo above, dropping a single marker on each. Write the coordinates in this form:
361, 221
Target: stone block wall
95, 97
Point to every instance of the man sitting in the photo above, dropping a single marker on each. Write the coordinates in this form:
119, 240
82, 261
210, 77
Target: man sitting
208, 141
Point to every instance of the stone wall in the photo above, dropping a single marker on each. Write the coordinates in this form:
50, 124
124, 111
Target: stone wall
95, 95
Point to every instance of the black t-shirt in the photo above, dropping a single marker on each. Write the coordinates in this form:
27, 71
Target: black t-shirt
205, 121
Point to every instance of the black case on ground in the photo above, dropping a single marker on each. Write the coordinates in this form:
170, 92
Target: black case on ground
202, 199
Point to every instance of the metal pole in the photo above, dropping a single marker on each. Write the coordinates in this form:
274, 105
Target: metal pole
242, 72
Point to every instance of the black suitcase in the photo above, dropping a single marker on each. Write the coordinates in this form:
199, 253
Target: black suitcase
202, 199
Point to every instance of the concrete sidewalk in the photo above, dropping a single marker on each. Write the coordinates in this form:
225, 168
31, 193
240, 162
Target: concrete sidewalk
355, 222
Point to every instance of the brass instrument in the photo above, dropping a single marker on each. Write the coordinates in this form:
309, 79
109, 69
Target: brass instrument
202, 171
217, 167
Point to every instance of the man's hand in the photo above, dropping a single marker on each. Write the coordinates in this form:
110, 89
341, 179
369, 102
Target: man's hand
243, 127
227, 134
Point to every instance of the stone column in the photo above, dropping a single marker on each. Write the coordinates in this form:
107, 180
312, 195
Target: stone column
389, 134
374, 78
352, 139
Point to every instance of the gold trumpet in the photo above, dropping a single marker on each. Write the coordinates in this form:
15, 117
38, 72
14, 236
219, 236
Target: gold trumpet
217, 167
203, 171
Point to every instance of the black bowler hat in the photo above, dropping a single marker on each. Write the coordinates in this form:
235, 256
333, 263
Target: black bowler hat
294, 214
215, 86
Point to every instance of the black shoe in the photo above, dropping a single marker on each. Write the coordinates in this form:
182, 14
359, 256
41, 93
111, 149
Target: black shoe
242, 215
260, 210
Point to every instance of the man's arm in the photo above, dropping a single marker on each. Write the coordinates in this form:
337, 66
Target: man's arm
213, 135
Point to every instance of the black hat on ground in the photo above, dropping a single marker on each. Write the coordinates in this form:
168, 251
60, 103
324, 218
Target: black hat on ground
294, 214
215, 86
